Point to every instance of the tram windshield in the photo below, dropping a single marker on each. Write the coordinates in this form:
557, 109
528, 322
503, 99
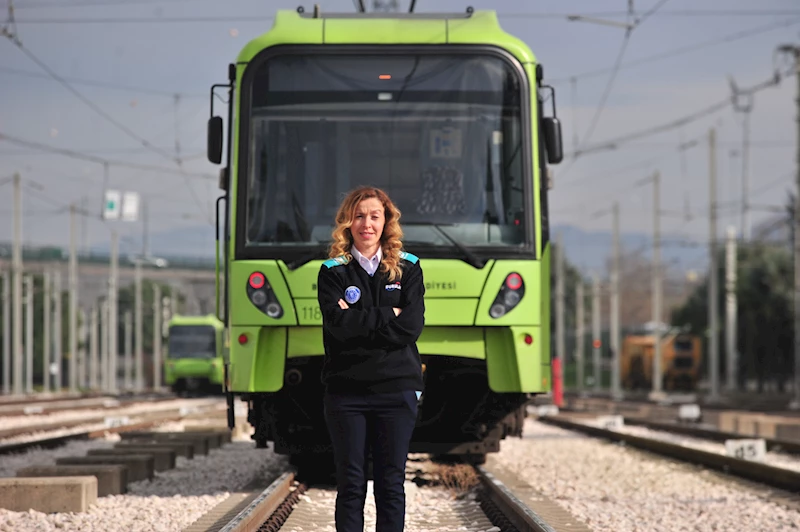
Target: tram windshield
441, 134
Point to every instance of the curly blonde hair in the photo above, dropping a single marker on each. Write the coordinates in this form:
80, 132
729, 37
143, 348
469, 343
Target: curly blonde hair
391, 239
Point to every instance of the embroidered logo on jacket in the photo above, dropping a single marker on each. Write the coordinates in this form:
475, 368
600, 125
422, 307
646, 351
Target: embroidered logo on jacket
352, 294
393, 286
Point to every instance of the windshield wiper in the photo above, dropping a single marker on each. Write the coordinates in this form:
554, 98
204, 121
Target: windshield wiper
471, 258
316, 254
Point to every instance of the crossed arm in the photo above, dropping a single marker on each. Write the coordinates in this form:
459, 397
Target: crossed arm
394, 325
346, 324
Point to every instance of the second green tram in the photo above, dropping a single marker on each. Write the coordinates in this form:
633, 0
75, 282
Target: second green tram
194, 362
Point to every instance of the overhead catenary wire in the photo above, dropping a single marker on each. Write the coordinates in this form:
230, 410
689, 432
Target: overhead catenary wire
686, 119
114, 3
119, 125
101, 84
258, 18
116, 123
593, 73
650, 12
91, 158
681, 50
612, 77
94, 3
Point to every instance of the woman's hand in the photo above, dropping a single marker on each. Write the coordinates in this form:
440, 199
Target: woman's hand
345, 306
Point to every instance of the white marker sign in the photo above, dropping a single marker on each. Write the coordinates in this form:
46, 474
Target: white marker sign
112, 421
188, 410
611, 422
754, 449
547, 410
130, 206
689, 412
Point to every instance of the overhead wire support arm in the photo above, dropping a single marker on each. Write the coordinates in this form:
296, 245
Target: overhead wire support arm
9, 29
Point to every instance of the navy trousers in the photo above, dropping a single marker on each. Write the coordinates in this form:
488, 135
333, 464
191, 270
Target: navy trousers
383, 423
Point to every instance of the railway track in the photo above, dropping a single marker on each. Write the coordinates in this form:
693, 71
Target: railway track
772, 444
8, 400
48, 406
134, 422
753, 404
777, 477
491, 498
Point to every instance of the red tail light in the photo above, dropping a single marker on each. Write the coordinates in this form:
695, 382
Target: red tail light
513, 281
256, 280
262, 296
510, 294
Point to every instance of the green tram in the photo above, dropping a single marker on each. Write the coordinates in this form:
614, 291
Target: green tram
446, 113
195, 361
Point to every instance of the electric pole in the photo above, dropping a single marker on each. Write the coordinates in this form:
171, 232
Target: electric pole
73, 298
138, 355
713, 279
57, 333
730, 311
128, 342
111, 351
794, 52
745, 109
596, 332
29, 334
616, 391
16, 290
47, 343
657, 284
105, 348
156, 336
93, 341
83, 331
579, 333
173, 301
6, 333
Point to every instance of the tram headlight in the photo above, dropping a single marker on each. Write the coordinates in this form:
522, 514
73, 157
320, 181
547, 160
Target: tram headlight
497, 311
259, 297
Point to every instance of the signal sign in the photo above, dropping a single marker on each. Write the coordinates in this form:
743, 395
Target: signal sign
596, 344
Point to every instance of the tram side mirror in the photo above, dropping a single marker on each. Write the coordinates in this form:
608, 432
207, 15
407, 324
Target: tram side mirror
215, 139
552, 140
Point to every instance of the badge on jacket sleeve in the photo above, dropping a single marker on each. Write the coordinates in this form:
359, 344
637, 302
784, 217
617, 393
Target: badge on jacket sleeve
352, 294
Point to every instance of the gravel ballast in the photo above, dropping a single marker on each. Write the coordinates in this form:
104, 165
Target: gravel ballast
614, 488
171, 501
774, 459
608, 486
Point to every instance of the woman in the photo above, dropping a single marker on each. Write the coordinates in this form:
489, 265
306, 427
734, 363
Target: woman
371, 297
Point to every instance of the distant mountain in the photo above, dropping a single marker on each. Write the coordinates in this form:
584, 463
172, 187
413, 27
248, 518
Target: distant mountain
190, 242
591, 250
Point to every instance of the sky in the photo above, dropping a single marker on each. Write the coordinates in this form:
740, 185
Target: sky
146, 66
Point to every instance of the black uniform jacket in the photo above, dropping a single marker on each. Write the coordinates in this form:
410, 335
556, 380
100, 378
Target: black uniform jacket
367, 348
